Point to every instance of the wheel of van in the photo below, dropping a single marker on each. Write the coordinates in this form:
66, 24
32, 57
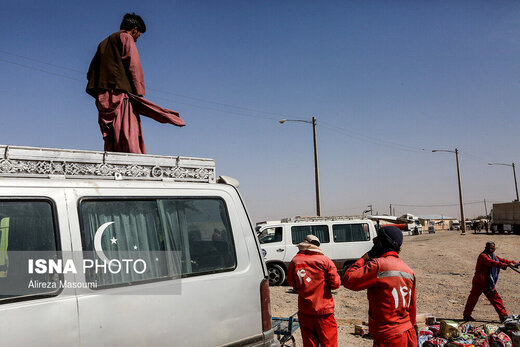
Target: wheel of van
276, 274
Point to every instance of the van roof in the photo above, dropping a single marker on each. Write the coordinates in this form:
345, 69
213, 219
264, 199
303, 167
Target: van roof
298, 219
21, 161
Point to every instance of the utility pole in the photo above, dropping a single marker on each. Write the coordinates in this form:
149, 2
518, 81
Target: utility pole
460, 194
485, 207
514, 175
316, 171
390, 209
516, 185
463, 220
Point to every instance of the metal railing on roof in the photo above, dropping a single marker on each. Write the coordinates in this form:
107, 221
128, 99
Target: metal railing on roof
318, 218
21, 161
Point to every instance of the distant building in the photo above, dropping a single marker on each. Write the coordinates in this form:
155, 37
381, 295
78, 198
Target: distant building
441, 221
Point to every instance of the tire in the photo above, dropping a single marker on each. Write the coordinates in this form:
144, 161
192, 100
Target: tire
276, 274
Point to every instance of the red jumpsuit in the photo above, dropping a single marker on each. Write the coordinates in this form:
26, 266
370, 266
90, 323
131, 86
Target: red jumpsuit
390, 285
481, 284
313, 275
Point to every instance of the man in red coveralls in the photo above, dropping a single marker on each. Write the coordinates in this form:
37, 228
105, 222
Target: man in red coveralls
313, 275
484, 281
390, 285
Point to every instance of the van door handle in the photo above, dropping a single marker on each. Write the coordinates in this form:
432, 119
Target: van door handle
279, 250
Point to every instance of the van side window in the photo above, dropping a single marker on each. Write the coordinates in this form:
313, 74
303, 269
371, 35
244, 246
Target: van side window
351, 232
270, 235
27, 232
201, 234
176, 237
299, 232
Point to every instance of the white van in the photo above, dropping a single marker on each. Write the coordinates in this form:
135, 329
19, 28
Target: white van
454, 225
343, 240
184, 265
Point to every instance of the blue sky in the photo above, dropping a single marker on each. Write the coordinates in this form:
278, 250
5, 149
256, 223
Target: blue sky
385, 80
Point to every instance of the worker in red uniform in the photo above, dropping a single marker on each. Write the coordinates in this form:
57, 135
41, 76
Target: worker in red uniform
313, 276
484, 281
390, 285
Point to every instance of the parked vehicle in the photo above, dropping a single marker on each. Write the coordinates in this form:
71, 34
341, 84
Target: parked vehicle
454, 225
414, 225
431, 227
200, 262
408, 223
343, 240
505, 217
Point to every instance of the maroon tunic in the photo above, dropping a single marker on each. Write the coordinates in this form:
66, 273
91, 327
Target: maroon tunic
119, 111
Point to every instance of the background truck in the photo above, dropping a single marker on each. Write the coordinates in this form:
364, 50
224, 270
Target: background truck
413, 225
505, 217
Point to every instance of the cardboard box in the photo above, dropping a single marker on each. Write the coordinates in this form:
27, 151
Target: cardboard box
361, 330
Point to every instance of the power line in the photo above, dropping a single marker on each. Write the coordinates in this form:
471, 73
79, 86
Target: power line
445, 205
42, 70
215, 109
366, 138
41, 62
341, 130
178, 102
222, 104
152, 89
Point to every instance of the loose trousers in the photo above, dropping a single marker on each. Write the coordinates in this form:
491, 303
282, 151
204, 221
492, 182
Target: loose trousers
492, 296
319, 330
405, 339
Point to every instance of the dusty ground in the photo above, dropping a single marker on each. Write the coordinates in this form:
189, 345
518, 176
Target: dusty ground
444, 264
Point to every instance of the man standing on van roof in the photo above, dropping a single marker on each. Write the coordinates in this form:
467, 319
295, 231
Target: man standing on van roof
116, 80
390, 285
484, 281
313, 276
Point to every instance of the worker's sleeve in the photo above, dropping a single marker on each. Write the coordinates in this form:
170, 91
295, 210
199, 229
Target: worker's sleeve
505, 261
290, 275
486, 260
361, 275
413, 307
332, 276
132, 62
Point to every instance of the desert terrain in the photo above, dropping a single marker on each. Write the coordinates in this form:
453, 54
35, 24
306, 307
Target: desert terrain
444, 264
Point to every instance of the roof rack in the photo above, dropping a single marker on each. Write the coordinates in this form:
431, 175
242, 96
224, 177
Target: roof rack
317, 218
21, 161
